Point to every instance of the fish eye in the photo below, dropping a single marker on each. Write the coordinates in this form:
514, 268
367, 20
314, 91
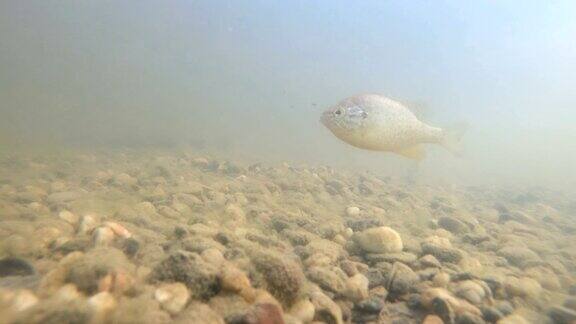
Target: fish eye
338, 112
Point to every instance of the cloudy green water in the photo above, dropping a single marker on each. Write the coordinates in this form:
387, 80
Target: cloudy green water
251, 77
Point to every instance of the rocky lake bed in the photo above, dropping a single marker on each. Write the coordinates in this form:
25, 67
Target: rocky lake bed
180, 237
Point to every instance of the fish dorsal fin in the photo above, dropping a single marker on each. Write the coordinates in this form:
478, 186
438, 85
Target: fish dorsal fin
415, 152
420, 109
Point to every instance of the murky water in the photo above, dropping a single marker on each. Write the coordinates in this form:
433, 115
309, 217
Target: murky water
164, 162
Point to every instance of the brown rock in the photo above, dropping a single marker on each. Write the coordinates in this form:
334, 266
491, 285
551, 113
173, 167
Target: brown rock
432, 319
262, 313
199, 313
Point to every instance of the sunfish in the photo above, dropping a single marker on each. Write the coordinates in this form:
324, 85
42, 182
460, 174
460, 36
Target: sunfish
377, 123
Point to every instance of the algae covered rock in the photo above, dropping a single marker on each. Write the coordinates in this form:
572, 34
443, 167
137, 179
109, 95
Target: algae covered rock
442, 252
55, 311
562, 315
199, 313
357, 288
471, 291
401, 279
303, 310
284, 277
189, 268
327, 310
99, 269
330, 279
523, 287
379, 240
453, 225
518, 256
143, 309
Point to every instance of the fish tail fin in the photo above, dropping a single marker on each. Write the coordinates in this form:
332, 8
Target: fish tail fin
451, 138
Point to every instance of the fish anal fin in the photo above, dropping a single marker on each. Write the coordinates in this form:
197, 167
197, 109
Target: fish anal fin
415, 152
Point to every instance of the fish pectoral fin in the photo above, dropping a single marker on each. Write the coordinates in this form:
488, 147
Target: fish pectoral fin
415, 152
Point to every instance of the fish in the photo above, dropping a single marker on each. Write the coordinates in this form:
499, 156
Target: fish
377, 123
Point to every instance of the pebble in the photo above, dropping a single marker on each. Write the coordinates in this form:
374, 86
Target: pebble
235, 216
404, 257
453, 225
36, 206
518, 256
213, 256
100, 269
103, 237
429, 261
523, 287
190, 269
491, 314
118, 282
62, 197
513, 319
140, 309
294, 242
468, 318
432, 319
45, 236
505, 307
438, 241
125, 179
402, 279
17, 246
118, 229
372, 305
442, 252
23, 300
471, 291
202, 230
303, 310
69, 217
433, 298
379, 240
173, 297
131, 247
357, 288
87, 224
562, 315
198, 313
547, 278
339, 239
469, 264
102, 305
284, 277
327, 248
146, 208
348, 232
352, 211
262, 313
180, 232
572, 290
326, 309
570, 303
12, 266
349, 267
332, 279
234, 279
441, 280
67, 292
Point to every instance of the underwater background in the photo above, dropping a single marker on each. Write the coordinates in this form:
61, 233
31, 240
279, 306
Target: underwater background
164, 162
